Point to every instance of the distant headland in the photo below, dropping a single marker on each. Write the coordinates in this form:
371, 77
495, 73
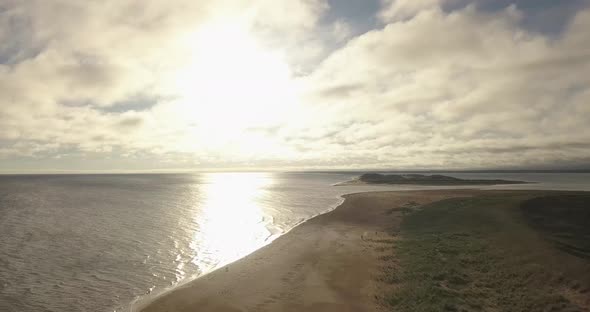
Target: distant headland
420, 179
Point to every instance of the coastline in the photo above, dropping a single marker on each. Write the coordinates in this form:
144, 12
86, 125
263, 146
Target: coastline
142, 302
326, 263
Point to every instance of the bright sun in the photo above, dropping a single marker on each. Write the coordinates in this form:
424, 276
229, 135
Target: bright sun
232, 84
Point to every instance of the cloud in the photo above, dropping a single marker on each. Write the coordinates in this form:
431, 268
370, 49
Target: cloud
432, 87
71, 71
395, 10
466, 88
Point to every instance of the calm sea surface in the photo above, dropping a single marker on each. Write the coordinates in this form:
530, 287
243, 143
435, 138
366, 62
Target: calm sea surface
96, 243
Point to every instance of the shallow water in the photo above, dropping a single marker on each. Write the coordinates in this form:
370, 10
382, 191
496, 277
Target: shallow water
97, 242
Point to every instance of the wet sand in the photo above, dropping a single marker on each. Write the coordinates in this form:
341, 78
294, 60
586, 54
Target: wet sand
328, 263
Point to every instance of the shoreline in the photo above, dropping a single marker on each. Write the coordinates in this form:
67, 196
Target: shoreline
140, 303
324, 263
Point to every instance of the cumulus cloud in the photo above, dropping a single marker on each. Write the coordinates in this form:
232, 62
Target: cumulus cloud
459, 89
394, 10
435, 88
66, 66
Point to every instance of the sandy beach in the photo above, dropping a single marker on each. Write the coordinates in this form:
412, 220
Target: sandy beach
329, 263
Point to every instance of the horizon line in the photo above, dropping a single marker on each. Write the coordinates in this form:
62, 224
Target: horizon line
262, 170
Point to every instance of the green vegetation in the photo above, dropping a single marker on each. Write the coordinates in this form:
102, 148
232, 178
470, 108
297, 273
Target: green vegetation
482, 254
565, 220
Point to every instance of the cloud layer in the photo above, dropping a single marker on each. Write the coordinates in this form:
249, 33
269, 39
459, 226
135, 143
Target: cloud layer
95, 86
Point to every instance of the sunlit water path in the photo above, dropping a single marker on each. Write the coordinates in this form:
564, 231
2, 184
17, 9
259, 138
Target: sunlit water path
98, 242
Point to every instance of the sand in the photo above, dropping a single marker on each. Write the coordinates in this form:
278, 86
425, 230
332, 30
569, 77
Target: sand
328, 263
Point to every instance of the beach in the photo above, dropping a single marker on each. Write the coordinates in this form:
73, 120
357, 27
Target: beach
453, 250
328, 263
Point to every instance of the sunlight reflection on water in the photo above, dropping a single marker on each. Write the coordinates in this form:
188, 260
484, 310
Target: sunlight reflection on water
231, 221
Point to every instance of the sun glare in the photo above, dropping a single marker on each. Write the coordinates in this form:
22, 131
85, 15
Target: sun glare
232, 83
230, 225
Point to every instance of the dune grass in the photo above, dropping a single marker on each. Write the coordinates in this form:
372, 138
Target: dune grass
492, 253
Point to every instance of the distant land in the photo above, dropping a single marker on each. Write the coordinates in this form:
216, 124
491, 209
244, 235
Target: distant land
421, 179
428, 171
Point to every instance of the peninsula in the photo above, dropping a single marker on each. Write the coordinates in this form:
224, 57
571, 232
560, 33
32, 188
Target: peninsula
420, 179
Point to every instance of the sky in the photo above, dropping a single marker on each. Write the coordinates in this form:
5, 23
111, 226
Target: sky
182, 85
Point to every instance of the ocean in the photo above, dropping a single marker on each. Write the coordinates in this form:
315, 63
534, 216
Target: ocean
99, 243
